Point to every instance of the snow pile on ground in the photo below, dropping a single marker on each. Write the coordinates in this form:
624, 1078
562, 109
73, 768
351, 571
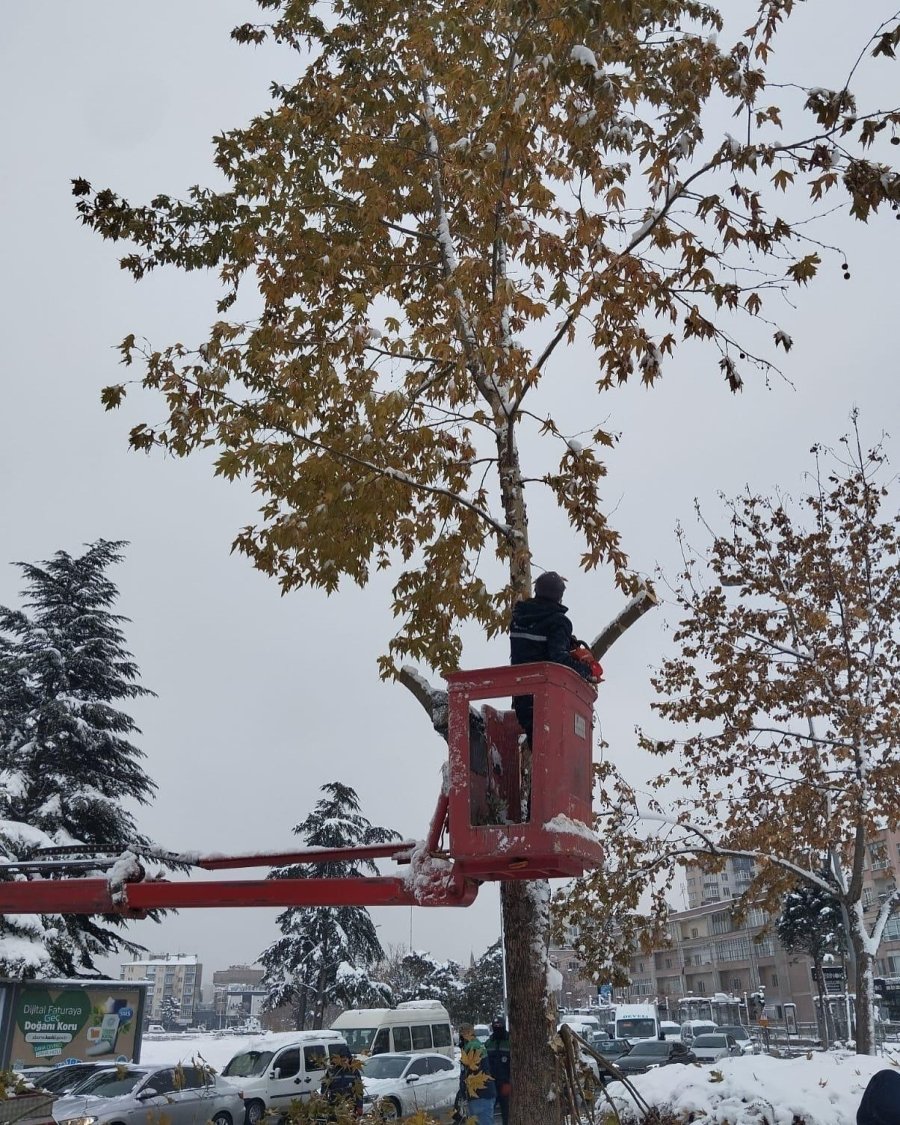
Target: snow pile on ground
213, 1049
816, 1089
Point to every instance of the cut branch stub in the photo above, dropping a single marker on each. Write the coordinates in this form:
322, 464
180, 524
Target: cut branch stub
642, 601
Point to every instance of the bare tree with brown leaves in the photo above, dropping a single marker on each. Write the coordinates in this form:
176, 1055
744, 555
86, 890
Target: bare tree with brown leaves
788, 679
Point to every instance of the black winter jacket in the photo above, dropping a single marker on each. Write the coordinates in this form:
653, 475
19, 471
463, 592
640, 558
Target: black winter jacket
498, 1052
540, 630
880, 1103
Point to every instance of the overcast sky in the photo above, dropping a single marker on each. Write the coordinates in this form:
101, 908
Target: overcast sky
261, 699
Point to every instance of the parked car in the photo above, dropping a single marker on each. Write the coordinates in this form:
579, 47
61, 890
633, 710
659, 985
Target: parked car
744, 1039
401, 1084
586, 1026
668, 1029
690, 1029
156, 1029
651, 1053
711, 1048
146, 1095
275, 1070
612, 1050
66, 1079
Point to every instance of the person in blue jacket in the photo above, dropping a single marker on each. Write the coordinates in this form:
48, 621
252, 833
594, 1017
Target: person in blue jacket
541, 630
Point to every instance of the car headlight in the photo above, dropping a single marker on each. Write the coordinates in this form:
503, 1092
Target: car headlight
78, 1121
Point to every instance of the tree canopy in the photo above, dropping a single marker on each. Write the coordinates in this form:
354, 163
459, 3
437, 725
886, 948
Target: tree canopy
441, 203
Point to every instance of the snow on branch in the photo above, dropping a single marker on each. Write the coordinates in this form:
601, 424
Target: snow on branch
643, 600
708, 846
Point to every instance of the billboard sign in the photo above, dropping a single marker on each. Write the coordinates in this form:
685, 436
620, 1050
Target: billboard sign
92, 1022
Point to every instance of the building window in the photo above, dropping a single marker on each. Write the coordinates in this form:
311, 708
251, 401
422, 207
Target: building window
736, 985
774, 980
695, 932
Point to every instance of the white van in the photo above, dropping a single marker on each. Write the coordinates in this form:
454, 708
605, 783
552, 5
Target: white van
418, 1025
636, 1022
274, 1070
670, 1030
586, 1026
690, 1029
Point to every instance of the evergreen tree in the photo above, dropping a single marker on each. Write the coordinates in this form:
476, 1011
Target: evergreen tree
169, 1011
68, 767
324, 952
482, 997
427, 978
810, 922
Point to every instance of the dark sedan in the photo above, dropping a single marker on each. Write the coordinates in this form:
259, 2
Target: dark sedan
612, 1049
650, 1053
64, 1079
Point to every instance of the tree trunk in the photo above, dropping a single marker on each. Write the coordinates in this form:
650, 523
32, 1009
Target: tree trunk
864, 960
300, 1008
526, 906
319, 1010
532, 1016
824, 1008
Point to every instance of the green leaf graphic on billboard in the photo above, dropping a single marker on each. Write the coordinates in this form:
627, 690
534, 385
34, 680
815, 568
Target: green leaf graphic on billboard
42, 1017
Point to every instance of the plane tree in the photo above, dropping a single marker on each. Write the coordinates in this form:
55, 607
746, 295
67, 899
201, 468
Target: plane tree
782, 716
443, 202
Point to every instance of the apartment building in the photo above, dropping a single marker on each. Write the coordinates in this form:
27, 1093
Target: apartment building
704, 887
712, 953
575, 990
172, 977
237, 994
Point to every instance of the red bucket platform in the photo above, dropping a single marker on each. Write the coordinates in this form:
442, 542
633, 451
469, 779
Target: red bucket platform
492, 834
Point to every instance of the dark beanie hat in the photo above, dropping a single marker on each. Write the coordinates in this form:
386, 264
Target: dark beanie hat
550, 585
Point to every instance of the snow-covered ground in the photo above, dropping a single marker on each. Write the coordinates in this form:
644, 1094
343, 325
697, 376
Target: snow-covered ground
216, 1050
820, 1089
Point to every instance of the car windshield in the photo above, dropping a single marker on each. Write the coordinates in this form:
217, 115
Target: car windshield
636, 1028
650, 1047
384, 1066
65, 1077
248, 1063
710, 1041
612, 1046
737, 1032
358, 1039
112, 1083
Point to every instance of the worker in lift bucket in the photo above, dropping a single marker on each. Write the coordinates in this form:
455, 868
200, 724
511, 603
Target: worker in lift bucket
541, 630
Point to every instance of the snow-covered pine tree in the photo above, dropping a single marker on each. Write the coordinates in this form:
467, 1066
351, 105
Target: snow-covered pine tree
324, 953
482, 997
169, 1012
428, 978
68, 767
810, 922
